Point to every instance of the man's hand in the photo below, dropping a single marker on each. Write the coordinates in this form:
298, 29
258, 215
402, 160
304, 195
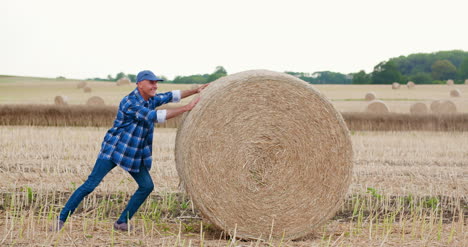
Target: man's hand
199, 89
190, 92
192, 103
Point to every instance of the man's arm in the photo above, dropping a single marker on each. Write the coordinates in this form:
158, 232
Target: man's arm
174, 112
190, 92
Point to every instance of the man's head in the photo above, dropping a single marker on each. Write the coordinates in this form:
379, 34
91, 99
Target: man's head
147, 75
147, 83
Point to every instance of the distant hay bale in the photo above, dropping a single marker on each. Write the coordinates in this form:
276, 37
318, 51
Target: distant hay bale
455, 93
410, 84
377, 106
123, 81
87, 89
261, 166
435, 105
466, 82
395, 85
81, 84
370, 96
418, 108
95, 101
61, 100
443, 107
450, 83
448, 106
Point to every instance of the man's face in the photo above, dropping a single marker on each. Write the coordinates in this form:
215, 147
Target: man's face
147, 88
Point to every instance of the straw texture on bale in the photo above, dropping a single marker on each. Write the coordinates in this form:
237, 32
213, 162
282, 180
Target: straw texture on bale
256, 164
443, 107
95, 101
123, 81
395, 85
87, 89
455, 93
61, 100
370, 96
81, 84
418, 108
410, 84
450, 82
377, 106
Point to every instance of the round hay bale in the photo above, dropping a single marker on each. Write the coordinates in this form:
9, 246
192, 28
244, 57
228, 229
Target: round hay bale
410, 84
255, 164
95, 101
450, 83
123, 81
466, 82
395, 85
455, 93
377, 106
447, 107
87, 89
81, 84
418, 108
61, 100
435, 106
370, 96
443, 107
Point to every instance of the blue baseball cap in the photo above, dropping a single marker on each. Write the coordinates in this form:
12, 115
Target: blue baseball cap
147, 75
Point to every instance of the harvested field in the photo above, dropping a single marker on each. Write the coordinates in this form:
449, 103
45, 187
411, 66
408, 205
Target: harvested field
408, 189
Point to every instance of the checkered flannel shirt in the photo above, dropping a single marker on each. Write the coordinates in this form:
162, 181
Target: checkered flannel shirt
129, 142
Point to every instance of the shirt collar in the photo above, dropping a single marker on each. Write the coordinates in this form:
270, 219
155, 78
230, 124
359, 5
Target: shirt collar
139, 97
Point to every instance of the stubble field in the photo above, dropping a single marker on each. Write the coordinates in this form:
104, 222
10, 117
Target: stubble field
408, 188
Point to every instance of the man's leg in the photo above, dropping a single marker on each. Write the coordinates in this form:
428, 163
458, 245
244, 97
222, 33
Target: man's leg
145, 186
101, 168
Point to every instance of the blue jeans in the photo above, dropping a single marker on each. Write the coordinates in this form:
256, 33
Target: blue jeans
100, 170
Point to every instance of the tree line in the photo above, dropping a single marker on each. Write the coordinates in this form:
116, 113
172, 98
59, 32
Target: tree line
219, 72
421, 68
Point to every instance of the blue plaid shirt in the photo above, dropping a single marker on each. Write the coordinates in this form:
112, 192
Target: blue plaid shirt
129, 142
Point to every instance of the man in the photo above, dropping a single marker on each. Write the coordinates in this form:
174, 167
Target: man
128, 144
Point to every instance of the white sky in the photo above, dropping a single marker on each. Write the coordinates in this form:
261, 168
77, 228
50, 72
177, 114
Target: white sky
94, 38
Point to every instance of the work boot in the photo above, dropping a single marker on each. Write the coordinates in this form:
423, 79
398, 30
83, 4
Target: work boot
121, 227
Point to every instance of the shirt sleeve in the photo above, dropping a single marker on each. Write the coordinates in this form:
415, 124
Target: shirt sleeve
176, 96
164, 98
161, 116
141, 113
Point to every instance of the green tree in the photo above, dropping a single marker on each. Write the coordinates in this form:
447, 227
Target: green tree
192, 79
422, 62
131, 77
119, 76
386, 73
443, 70
463, 70
219, 72
421, 78
361, 78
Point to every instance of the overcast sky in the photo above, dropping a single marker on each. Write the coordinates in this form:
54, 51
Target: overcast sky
94, 38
